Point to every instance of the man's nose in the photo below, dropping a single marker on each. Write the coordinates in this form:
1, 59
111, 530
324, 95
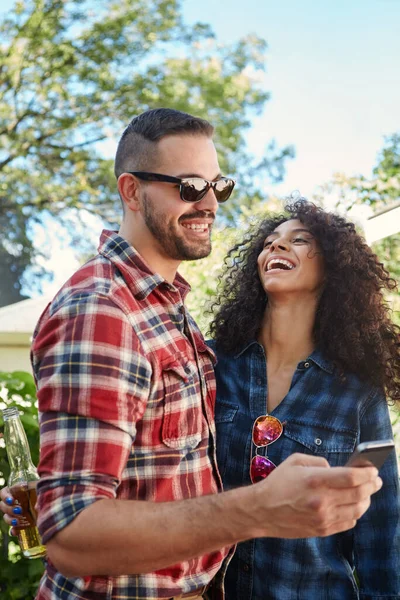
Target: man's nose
209, 202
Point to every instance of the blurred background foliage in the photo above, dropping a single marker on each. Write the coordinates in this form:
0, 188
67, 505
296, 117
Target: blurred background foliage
19, 577
380, 192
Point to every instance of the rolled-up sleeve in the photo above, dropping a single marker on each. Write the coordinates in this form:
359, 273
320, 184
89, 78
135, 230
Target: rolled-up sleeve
93, 383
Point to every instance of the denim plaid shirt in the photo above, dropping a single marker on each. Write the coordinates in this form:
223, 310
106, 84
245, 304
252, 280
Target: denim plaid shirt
324, 417
126, 393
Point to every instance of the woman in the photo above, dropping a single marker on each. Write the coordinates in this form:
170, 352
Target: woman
303, 335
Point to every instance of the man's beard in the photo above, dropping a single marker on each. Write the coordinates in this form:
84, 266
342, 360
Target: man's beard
174, 245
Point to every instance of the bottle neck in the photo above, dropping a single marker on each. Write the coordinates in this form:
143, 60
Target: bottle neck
18, 452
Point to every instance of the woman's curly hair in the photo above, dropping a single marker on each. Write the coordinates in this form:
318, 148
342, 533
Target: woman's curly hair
352, 328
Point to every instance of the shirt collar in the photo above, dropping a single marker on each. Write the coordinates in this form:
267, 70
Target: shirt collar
134, 269
322, 362
257, 347
316, 357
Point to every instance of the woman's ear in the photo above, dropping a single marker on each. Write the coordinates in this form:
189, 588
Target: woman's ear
128, 187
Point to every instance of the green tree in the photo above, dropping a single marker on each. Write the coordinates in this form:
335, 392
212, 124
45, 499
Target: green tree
380, 191
74, 72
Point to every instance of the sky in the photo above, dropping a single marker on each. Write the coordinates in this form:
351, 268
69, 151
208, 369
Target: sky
333, 73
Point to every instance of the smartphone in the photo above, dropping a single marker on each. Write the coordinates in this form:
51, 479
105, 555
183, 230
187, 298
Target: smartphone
368, 453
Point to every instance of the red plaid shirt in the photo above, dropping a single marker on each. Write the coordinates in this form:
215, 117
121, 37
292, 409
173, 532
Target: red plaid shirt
126, 394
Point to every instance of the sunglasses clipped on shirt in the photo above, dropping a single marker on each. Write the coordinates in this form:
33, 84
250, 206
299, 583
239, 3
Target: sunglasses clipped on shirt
192, 189
266, 430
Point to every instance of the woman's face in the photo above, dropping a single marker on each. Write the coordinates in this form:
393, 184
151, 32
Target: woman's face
291, 261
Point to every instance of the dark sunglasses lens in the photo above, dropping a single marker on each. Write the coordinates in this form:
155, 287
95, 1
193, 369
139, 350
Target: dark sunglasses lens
266, 430
260, 468
223, 189
193, 189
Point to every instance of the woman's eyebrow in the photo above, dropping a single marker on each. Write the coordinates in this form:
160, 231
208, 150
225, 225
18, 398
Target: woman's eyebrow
302, 230
292, 231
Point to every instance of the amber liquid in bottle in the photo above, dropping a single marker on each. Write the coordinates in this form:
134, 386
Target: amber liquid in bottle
28, 534
22, 483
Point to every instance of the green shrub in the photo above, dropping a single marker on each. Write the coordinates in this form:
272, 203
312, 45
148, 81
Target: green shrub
19, 577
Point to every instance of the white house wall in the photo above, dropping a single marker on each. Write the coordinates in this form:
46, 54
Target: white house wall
15, 358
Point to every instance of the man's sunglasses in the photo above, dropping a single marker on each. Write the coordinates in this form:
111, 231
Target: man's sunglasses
192, 189
266, 430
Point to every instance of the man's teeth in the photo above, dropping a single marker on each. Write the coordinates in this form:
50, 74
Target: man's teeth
279, 261
196, 226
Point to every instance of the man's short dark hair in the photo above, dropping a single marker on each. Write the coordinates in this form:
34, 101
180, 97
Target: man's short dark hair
137, 148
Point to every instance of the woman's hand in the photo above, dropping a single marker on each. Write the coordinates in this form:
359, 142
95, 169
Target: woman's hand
10, 509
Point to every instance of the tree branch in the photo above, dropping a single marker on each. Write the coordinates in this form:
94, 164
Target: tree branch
5, 162
74, 146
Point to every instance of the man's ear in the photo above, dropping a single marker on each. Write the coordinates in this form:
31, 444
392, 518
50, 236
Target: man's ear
128, 187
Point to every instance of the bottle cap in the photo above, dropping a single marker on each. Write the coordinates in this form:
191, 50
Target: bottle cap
10, 413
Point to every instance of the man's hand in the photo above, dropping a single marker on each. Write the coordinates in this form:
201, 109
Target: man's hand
304, 497
10, 509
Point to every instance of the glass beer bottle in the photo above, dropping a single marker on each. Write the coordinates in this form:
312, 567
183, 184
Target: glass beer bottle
22, 483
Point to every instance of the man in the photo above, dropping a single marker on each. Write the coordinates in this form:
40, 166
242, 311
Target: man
130, 500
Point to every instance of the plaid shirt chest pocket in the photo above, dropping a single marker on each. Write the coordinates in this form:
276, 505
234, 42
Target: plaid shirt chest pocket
183, 415
332, 443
